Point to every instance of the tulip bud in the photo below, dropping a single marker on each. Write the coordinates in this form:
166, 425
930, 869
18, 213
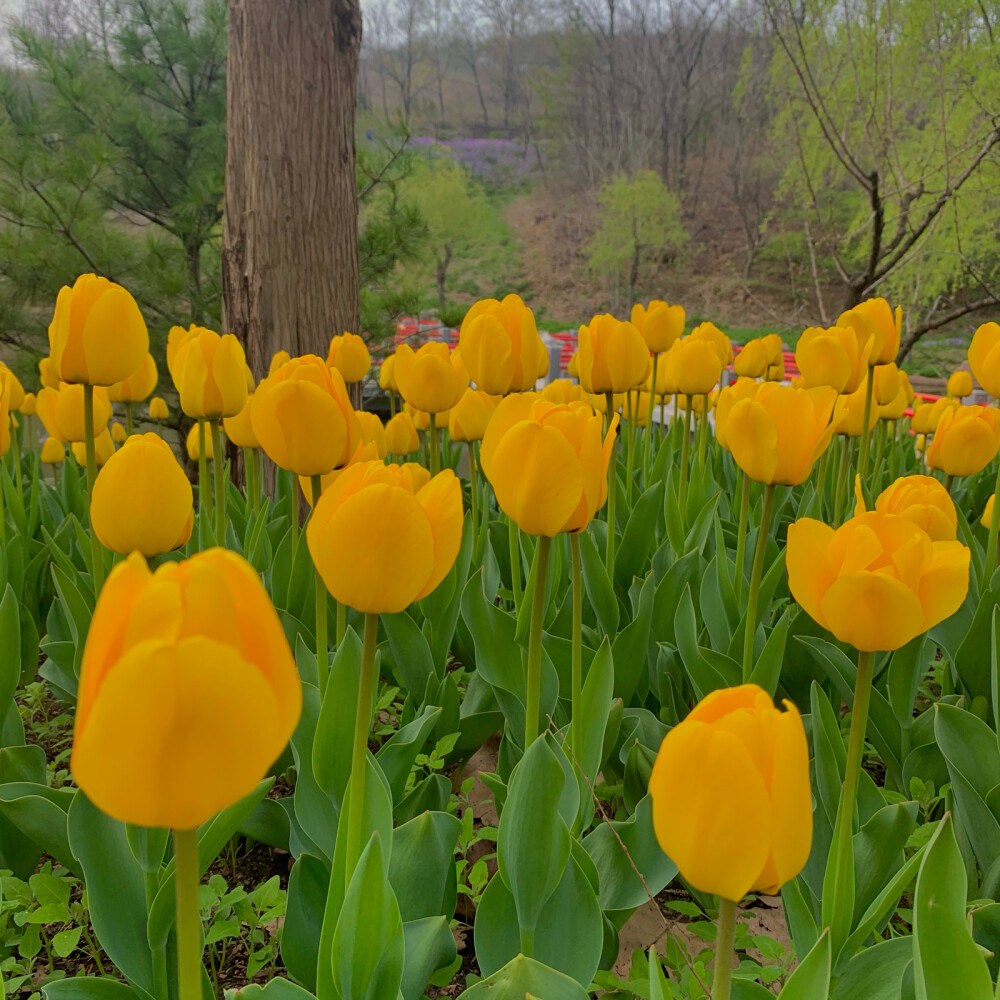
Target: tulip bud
53, 451
210, 373
239, 429
384, 536
613, 356
97, 334
531, 445
431, 378
966, 440
501, 346
731, 799
401, 435
118, 434
694, 365
960, 384
349, 355
927, 416
723, 345
875, 320
142, 499
138, 385
837, 357
193, 441
660, 325
987, 517
386, 375
876, 582
469, 416
158, 409
29, 405
751, 362
188, 691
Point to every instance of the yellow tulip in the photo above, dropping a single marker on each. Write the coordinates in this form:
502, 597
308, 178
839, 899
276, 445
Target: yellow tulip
599, 402
984, 357
888, 382
277, 360
431, 378
401, 435
192, 444
849, 413
211, 374
469, 416
118, 433
659, 324
731, 799
927, 416
875, 320
15, 391
372, 432
387, 376
104, 448
384, 536
53, 451
613, 356
188, 691
5, 417
897, 407
966, 440
47, 374
366, 451
960, 384
349, 355
987, 517
142, 499
723, 345
742, 388
694, 365
29, 405
303, 418
138, 385
876, 582
547, 463
564, 390
573, 365
158, 409
61, 411
837, 357
422, 419
239, 429
920, 499
777, 435
501, 346
97, 334
752, 361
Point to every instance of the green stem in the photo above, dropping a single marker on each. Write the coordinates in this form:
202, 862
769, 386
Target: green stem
527, 943
96, 550
392, 403
612, 489
250, 469
630, 445
821, 481
204, 485
15, 451
341, 622
473, 488
845, 462
685, 452
186, 879
3, 512
322, 645
129, 425
359, 763
992, 555
293, 507
843, 830
741, 536
865, 429
724, 938
649, 426
435, 456
948, 480
756, 572
576, 723
514, 552
534, 677
219, 463
703, 432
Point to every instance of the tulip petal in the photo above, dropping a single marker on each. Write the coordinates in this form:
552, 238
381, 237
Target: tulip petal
807, 563
752, 436
872, 611
945, 583
441, 500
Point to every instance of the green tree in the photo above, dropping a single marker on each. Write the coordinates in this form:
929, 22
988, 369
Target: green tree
639, 224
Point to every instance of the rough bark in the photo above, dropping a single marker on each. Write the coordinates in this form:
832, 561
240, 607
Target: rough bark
290, 237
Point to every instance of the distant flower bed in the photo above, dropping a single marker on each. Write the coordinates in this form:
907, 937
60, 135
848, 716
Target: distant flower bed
489, 159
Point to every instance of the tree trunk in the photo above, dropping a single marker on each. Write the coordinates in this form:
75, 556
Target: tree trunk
442, 274
290, 235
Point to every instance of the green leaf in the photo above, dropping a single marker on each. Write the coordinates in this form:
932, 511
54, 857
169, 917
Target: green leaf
10, 651
422, 866
429, 945
639, 536
397, 754
811, 979
523, 977
598, 586
89, 988
767, 670
875, 973
944, 954
411, 653
64, 942
368, 947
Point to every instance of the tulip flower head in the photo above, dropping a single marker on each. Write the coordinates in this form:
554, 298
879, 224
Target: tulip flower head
984, 357
501, 346
660, 325
777, 435
367, 451
960, 384
104, 448
61, 411
142, 499
711, 333
694, 365
751, 362
401, 435
431, 378
15, 391
920, 499
849, 413
239, 429
613, 356
372, 432
387, 375
188, 691
303, 418
875, 320
877, 581
384, 536
469, 416
210, 373
349, 355
118, 433
731, 799
192, 445
966, 440
837, 357
53, 451
888, 382
29, 405
138, 385
564, 390
987, 517
47, 374
742, 388
927, 416
97, 335
547, 463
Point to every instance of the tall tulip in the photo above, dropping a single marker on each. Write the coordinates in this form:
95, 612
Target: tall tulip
960, 384
135, 388
239, 430
732, 804
97, 337
467, 422
401, 435
836, 356
548, 466
501, 346
966, 440
349, 355
188, 693
876, 582
984, 360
